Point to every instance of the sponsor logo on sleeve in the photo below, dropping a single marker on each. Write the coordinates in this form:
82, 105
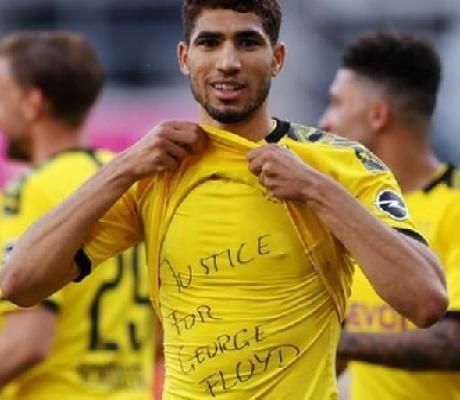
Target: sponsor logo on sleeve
392, 204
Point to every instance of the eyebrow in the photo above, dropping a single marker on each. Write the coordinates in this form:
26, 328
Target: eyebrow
219, 35
249, 34
208, 35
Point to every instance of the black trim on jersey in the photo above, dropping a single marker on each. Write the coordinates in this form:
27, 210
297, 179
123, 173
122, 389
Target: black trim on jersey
50, 305
12, 194
446, 177
455, 315
94, 157
452, 315
292, 134
412, 234
316, 136
282, 129
61, 152
84, 265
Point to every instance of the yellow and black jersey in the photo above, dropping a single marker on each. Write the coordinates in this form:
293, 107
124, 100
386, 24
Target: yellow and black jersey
6, 392
436, 212
104, 334
250, 290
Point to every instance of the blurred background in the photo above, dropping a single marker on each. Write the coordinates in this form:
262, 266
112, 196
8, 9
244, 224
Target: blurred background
136, 42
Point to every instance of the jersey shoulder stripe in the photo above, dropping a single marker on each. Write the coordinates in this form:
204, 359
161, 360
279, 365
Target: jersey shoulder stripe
302, 133
49, 170
332, 141
315, 135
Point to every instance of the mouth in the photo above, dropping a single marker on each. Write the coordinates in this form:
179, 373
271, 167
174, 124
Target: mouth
227, 91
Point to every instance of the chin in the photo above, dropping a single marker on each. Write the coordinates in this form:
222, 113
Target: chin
229, 118
230, 115
16, 154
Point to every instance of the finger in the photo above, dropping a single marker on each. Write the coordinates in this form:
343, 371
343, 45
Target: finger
189, 135
269, 169
255, 165
268, 151
266, 180
263, 180
176, 151
199, 145
255, 153
166, 162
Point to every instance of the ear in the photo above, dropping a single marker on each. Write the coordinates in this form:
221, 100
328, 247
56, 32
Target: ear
35, 104
182, 57
379, 115
279, 55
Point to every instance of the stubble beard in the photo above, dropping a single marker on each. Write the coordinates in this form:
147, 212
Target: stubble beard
16, 151
228, 116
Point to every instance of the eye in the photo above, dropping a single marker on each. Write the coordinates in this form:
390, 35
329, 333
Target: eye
207, 43
249, 42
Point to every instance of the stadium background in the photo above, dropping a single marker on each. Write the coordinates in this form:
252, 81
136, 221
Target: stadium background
136, 42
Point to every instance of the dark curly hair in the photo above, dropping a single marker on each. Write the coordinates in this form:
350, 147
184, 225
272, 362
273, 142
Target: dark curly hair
269, 11
408, 67
61, 64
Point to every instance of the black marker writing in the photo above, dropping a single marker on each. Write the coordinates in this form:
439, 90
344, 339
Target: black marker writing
185, 322
244, 370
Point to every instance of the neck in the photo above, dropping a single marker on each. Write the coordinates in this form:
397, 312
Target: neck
51, 137
255, 128
409, 156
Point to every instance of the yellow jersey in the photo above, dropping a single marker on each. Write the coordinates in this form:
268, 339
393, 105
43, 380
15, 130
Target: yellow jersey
6, 392
103, 340
436, 211
250, 290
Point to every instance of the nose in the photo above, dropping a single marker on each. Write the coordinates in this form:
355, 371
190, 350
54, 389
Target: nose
324, 122
229, 60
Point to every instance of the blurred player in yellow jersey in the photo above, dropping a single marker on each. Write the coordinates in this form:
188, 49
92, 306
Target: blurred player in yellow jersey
87, 341
384, 95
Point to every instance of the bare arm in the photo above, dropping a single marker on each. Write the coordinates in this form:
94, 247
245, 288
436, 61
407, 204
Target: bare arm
433, 349
25, 340
403, 272
43, 259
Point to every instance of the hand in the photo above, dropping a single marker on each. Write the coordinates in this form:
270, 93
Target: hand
164, 147
283, 173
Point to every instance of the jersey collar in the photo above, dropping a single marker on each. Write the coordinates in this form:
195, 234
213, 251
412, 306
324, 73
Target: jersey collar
443, 175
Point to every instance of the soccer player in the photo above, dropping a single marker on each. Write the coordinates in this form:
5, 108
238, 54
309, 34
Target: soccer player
384, 95
87, 341
250, 224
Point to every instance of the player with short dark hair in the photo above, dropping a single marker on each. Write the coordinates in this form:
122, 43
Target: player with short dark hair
408, 67
250, 223
384, 95
87, 341
269, 12
58, 64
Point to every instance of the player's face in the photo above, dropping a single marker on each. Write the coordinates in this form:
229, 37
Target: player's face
230, 62
13, 121
347, 113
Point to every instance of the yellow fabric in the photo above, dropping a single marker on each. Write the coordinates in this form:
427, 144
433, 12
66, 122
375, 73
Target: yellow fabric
6, 392
104, 336
437, 214
252, 289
